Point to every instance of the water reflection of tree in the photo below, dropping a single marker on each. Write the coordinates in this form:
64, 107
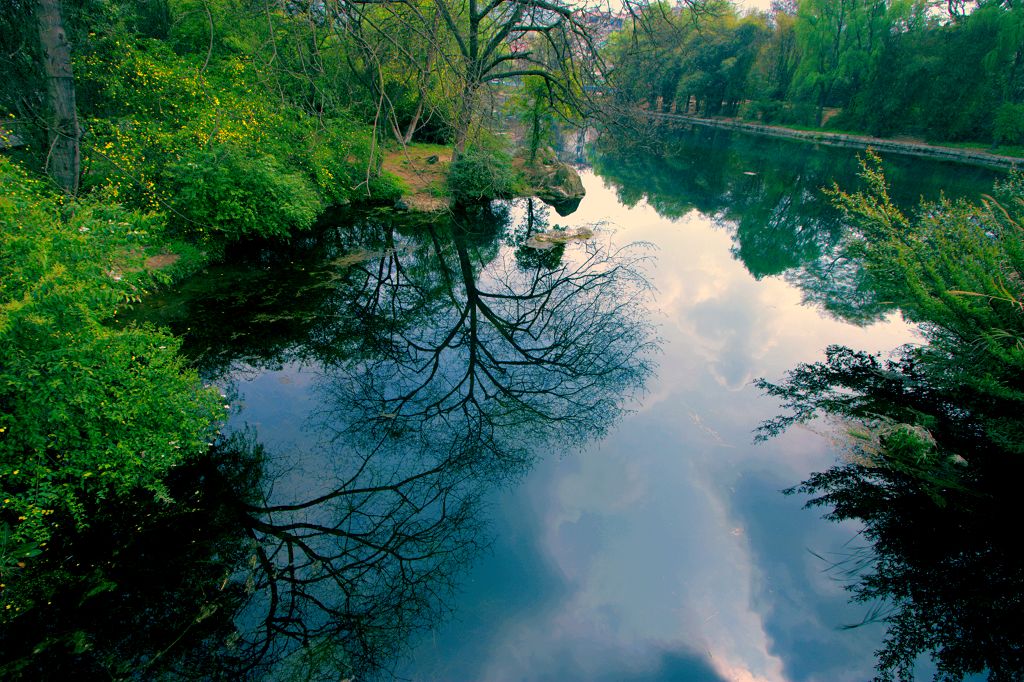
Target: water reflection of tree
144, 588
769, 195
512, 356
937, 497
341, 580
471, 363
222, 585
444, 362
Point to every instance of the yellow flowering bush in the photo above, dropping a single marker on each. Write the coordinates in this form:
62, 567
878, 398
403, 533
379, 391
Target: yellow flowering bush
89, 410
209, 145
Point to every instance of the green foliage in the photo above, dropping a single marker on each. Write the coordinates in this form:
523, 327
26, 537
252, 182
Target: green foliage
956, 268
225, 192
212, 146
666, 59
882, 68
538, 110
780, 112
89, 411
482, 172
1009, 124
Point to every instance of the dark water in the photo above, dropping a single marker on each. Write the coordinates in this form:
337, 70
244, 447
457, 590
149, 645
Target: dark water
454, 456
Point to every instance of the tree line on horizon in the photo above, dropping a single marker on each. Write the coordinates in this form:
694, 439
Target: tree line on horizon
947, 71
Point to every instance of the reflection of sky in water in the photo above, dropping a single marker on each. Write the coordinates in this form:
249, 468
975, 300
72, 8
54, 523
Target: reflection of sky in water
666, 552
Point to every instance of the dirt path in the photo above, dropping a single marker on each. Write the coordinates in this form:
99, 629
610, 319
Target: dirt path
423, 169
921, 149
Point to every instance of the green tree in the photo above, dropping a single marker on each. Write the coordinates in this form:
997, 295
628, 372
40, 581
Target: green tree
935, 433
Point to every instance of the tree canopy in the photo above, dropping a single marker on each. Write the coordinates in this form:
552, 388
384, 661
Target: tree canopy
947, 71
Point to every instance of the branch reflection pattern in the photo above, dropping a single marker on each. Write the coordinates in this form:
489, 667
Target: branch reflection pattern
445, 363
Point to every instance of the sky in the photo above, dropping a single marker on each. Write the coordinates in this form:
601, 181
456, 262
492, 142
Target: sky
753, 4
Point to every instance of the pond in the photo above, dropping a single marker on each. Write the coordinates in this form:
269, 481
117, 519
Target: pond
455, 455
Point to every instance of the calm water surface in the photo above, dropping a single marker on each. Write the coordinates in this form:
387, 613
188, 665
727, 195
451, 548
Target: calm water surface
665, 551
553, 448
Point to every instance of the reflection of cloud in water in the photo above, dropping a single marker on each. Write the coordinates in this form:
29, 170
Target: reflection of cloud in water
642, 558
673, 600
639, 532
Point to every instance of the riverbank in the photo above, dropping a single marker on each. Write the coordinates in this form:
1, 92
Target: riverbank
423, 169
849, 141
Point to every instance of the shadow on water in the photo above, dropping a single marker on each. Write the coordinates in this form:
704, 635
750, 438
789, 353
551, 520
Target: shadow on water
446, 356
767, 194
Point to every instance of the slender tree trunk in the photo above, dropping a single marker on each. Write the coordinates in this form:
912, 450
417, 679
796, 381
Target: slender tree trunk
414, 123
534, 137
64, 158
464, 119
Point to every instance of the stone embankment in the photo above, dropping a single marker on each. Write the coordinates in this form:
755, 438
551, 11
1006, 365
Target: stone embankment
878, 144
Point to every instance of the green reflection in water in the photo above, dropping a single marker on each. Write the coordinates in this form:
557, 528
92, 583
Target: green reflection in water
768, 194
445, 357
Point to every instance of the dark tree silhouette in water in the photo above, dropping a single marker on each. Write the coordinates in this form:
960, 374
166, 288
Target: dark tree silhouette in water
512, 357
444, 366
937, 498
224, 585
472, 364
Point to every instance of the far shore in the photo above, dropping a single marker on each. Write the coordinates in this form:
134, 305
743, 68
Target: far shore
878, 144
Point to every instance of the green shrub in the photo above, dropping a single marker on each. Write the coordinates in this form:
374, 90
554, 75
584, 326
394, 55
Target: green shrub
227, 192
168, 130
1009, 124
767, 111
482, 172
86, 411
337, 154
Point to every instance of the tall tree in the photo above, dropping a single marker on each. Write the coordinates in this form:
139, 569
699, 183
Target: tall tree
64, 157
478, 42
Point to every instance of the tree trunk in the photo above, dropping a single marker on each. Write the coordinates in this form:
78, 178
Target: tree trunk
534, 137
63, 159
464, 120
410, 129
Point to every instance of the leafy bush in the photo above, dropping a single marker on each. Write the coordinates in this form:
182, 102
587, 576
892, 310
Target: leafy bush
957, 269
210, 144
767, 111
779, 112
482, 172
337, 154
1009, 124
88, 411
226, 192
